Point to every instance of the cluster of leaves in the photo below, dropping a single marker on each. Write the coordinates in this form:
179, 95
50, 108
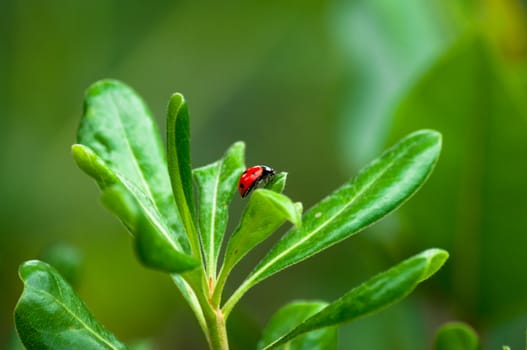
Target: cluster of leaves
175, 232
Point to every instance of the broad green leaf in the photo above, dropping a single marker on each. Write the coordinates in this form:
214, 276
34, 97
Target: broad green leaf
456, 336
377, 293
264, 214
153, 250
216, 184
278, 183
118, 128
157, 245
49, 315
290, 316
377, 190
119, 201
179, 165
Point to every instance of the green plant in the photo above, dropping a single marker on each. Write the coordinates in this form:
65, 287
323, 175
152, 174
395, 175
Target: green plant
153, 195
456, 336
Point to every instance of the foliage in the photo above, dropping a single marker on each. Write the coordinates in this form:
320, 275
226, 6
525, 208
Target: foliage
180, 234
456, 336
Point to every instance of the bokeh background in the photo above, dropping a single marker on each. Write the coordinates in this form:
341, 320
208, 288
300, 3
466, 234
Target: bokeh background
315, 88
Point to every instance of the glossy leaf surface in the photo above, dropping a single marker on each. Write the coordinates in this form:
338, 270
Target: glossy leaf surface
178, 145
157, 246
377, 293
290, 316
120, 148
278, 183
376, 191
217, 183
153, 250
119, 129
180, 166
49, 315
264, 214
456, 336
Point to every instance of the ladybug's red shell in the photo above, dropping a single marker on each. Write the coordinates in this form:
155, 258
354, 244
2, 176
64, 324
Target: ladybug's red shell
252, 177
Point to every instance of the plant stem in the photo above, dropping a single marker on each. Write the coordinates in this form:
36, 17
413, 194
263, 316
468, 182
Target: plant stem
215, 322
217, 329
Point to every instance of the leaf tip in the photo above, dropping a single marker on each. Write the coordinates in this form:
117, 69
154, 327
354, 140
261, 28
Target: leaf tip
89, 162
77, 150
176, 102
238, 146
102, 85
298, 211
30, 266
434, 136
436, 258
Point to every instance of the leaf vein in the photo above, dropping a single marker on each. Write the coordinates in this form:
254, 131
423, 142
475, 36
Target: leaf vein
69, 311
329, 220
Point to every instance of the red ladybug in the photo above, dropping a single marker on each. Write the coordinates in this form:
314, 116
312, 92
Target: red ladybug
252, 177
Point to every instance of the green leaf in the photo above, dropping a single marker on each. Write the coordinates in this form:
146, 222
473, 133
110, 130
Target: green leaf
278, 182
118, 128
137, 213
290, 316
216, 184
264, 214
179, 165
153, 250
120, 202
178, 145
456, 336
377, 190
49, 315
377, 293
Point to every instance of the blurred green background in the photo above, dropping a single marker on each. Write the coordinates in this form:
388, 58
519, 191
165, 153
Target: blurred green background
315, 88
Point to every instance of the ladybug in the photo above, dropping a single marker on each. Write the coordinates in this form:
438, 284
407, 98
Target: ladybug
252, 177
